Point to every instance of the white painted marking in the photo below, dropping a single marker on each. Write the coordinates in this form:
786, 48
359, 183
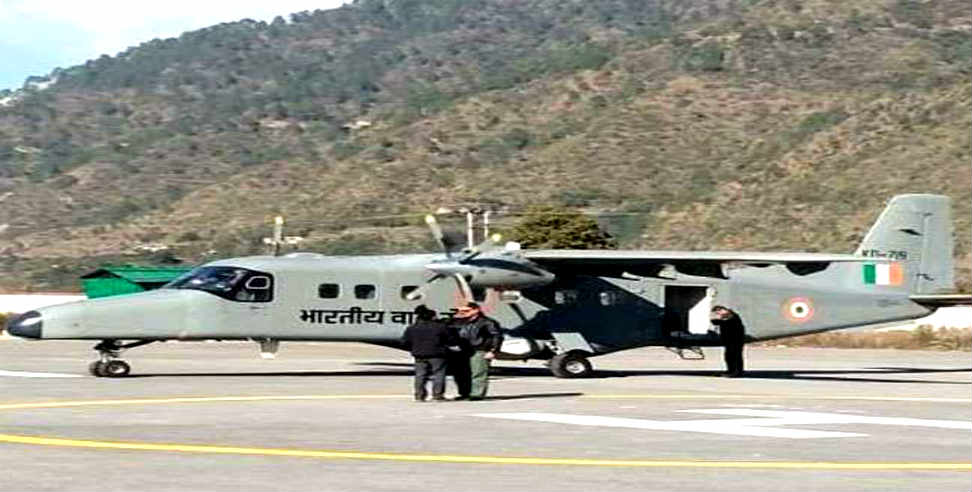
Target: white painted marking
21, 374
803, 418
765, 424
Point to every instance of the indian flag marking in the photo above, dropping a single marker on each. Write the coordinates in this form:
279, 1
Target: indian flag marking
883, 274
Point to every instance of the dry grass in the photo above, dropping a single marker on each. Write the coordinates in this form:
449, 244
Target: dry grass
923, 338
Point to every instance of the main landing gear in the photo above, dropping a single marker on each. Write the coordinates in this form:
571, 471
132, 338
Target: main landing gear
573, 364
108, 364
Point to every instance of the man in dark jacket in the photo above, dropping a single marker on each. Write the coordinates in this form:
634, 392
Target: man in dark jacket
484, 337
428, 341
733, 336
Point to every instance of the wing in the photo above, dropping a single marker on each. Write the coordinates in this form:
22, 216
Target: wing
700, 263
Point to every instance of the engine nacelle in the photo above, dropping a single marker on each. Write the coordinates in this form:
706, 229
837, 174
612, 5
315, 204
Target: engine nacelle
517, 348
499, 272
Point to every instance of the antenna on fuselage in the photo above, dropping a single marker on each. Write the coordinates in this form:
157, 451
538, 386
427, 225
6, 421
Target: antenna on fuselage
275, 242
277, 234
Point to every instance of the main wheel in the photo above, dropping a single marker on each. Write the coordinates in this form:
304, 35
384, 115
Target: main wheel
116, 369
571, 365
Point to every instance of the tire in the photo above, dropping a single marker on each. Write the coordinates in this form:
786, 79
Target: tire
571, 365
116, 369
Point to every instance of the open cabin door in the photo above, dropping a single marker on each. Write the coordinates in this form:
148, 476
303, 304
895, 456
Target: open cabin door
687, 308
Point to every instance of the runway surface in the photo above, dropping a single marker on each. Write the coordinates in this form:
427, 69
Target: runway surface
214, 416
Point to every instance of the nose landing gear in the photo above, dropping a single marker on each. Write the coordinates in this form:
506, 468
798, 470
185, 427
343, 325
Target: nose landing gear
109, 365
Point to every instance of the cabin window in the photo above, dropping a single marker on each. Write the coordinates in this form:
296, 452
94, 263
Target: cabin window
609, 298
563, 297
257, 288
365, 291
328, 291
232, 283
408, 290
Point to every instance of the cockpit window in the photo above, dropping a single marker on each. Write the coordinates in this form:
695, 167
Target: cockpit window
233, 283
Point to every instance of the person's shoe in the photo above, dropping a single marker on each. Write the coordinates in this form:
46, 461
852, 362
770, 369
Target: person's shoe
419, 398
439, 398
476, 398
461, 398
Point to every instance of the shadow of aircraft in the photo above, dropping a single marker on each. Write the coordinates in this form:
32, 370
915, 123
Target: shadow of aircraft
868, 375
810, 374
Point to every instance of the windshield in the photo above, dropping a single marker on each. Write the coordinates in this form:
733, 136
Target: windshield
233, 283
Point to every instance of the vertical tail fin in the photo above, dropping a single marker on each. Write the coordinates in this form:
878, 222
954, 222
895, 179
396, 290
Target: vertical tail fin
916, 230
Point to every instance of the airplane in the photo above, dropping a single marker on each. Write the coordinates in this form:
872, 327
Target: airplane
561, 306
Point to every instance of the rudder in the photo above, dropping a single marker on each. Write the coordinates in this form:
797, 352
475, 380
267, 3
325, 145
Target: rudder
916, 231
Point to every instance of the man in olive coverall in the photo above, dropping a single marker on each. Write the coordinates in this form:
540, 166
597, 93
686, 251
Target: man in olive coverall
484, 336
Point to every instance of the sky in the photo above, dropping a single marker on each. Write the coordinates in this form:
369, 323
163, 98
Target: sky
37, 36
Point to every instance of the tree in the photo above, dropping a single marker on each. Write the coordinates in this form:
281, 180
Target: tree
547, 226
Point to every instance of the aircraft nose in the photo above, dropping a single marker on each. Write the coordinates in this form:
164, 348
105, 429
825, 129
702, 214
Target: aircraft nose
27, 325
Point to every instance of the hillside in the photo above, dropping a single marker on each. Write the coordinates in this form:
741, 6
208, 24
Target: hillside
699, 124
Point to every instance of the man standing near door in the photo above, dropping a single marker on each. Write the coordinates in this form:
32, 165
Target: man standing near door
733, 336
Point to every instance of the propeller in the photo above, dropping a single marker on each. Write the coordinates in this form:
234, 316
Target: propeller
441, 239
506, 269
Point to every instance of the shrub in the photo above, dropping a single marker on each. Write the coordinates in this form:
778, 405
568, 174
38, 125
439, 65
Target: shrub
556, 227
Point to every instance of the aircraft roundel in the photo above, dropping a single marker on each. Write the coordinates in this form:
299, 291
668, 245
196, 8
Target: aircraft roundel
798, 309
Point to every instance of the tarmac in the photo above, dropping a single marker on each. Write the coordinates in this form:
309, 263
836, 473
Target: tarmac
214, 416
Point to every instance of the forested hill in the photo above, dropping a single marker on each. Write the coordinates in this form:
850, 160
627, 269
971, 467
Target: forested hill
690, 124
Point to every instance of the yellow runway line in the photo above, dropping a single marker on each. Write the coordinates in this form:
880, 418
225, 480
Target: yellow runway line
356, 455
427, 458
192, 399
211, 399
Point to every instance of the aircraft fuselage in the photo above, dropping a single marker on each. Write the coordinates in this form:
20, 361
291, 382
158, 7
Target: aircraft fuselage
364, 299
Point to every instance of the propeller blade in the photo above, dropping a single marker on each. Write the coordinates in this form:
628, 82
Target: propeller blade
420, 291
437, 234
464, 288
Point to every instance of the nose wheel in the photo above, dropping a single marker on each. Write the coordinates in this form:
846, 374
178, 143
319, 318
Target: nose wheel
109, 365
112, 369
